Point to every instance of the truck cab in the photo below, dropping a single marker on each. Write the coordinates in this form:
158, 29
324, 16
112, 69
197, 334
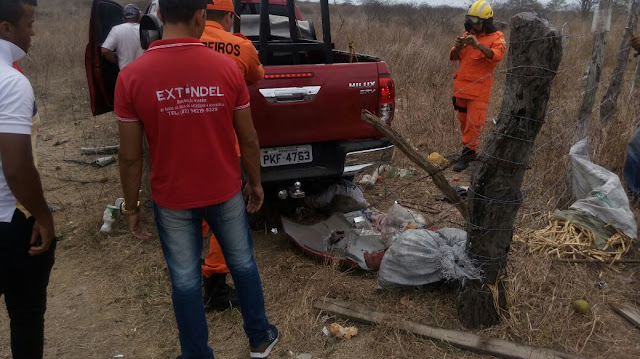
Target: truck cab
306, 110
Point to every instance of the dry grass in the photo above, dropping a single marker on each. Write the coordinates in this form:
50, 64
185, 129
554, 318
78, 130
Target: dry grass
110, 294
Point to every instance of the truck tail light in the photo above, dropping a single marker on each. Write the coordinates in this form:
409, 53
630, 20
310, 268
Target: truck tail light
387, 98
291, 75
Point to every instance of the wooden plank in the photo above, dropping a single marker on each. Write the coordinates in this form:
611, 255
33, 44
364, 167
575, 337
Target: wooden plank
628, 313
469, 341
435, 172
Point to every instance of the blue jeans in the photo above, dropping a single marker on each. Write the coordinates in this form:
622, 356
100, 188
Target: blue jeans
632, 164
180, 234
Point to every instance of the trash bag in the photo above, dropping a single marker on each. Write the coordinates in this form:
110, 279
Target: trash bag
632, 164
343, 189
599, 192
397, 220
419, 257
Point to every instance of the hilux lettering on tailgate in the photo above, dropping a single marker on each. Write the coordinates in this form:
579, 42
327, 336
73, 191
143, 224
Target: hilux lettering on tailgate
362, 85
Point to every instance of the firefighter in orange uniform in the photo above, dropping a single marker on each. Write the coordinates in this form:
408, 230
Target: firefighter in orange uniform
218, 295
478, 50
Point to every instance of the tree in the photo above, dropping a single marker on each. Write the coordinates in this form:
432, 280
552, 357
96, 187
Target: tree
557, 5
585, 6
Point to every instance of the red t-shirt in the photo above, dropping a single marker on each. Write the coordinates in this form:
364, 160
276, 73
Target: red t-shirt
185, 95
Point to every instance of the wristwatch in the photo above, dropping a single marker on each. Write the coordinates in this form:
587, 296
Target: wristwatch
129, 212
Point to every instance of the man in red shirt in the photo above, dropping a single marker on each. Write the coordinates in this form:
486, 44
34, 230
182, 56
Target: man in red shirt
189, 101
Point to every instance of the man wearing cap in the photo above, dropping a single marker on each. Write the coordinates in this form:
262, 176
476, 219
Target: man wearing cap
122, 46
217, 36
478, 51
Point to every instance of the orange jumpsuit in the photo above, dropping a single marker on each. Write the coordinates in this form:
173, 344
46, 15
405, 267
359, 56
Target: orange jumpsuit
242, 51
472, 84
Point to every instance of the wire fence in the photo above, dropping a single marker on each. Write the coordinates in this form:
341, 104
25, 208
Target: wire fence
545, 186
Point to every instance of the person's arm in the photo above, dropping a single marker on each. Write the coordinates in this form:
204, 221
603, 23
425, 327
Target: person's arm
130, 156
250, 150
130, 164
253, 71
454, 53
24, 182
472, 41
109, 46
109, 55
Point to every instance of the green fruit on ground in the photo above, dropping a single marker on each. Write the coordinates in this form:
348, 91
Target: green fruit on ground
581, 306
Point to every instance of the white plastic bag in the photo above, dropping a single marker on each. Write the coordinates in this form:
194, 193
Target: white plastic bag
343, 188
599, 192
419, 257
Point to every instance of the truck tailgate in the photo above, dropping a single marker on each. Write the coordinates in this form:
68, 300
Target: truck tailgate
302, 104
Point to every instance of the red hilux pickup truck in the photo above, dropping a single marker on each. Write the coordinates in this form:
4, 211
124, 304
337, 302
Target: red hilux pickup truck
306, 110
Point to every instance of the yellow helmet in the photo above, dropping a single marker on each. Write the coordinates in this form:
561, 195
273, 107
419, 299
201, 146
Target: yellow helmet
481, 9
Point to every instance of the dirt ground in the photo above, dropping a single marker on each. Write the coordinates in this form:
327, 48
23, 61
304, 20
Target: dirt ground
110, 294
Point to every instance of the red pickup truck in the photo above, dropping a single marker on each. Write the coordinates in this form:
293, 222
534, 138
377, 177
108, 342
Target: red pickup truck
306, 110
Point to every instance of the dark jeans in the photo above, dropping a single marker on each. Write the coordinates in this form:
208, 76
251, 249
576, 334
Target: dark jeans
23, 282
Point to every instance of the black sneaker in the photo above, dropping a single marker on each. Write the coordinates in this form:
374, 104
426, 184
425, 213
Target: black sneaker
263, 350
466, 157
218, 296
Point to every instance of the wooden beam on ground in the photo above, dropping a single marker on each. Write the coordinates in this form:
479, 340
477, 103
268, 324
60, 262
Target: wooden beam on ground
596, 261
434, 172
469, 341
628, 313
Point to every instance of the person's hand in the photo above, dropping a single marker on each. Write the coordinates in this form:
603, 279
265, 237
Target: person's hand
635, 43
42, 236
138, 225
254, 196
458, 43
471, 40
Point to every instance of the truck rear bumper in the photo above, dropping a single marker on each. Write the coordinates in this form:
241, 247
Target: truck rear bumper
333, 159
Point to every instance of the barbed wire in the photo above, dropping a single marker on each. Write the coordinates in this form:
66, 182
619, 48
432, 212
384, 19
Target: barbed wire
535, 202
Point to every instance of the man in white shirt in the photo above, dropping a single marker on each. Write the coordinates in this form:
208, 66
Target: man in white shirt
27, 242
122, 46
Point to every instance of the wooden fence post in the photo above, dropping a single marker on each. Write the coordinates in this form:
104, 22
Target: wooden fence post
595, 70
610, 99
535, 51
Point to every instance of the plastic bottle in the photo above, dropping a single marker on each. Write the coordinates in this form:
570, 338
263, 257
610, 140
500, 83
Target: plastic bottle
108, 216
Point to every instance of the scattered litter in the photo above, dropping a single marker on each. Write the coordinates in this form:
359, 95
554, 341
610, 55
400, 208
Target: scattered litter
337, 239
325, 331
437, 159
274, 230
581, 306
601, 285
456, 179
103, 161
118, 356
61, 142
419, 257
401, 173
342, 196
338, 331
109, 215
370, 180
104, 150
100, 162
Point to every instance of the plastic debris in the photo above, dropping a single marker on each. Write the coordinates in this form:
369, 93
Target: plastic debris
419, 257
274, 230
350, 194
338, 331
437, 159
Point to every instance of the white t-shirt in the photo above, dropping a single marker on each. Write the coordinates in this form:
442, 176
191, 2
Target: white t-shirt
124, 40
16, 110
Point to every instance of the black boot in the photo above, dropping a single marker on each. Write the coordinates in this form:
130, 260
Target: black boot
218, 295
466, 157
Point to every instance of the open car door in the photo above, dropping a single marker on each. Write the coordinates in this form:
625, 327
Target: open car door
101, 74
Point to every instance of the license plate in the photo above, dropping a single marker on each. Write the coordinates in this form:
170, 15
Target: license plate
281, 156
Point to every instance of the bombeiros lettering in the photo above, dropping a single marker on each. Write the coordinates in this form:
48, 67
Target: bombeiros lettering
177, 93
